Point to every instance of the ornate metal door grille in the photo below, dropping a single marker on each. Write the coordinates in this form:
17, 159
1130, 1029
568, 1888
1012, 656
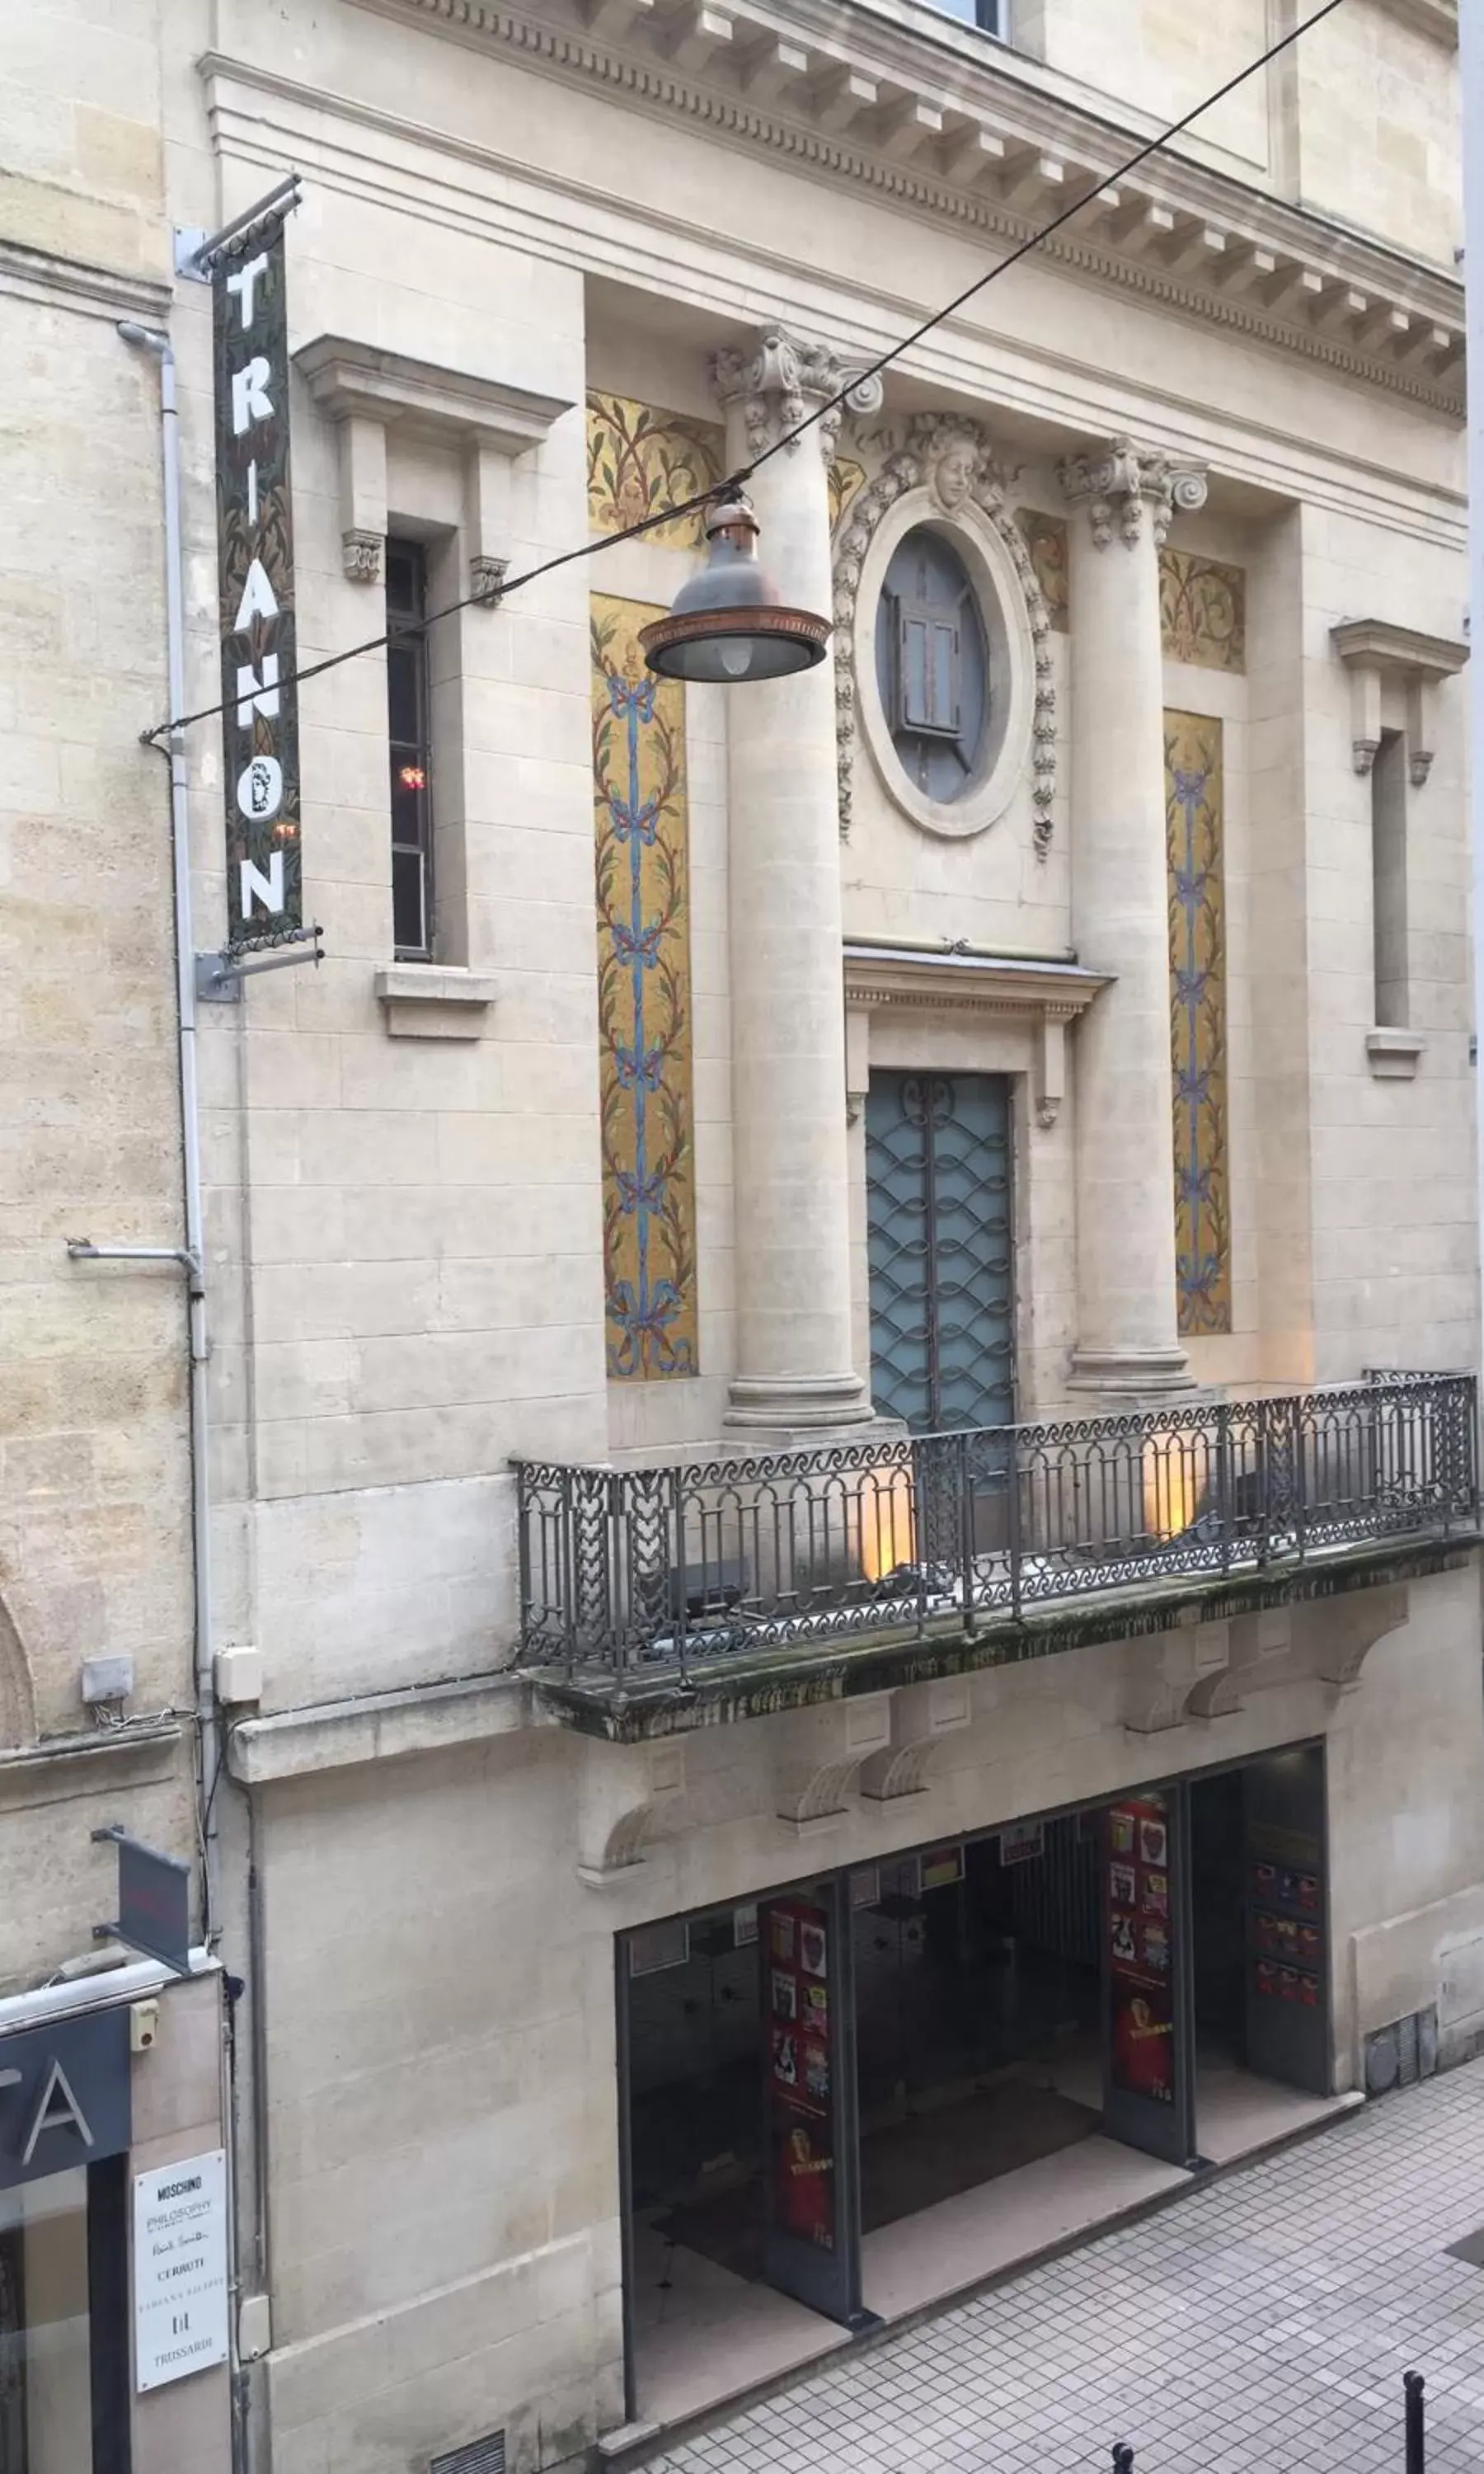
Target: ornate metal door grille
938, 1246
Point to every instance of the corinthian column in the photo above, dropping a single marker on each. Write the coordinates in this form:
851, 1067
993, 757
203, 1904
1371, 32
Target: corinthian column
1128, 1341
793, 1265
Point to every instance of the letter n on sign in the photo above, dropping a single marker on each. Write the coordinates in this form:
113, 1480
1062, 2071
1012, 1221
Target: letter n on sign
256, 553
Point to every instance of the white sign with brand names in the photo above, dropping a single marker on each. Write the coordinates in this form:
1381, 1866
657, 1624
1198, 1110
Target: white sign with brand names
179, 2270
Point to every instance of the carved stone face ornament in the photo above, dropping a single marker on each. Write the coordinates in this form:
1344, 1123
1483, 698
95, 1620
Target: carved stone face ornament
951, 473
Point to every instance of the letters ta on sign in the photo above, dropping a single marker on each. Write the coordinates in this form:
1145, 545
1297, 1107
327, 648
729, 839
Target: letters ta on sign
256, 560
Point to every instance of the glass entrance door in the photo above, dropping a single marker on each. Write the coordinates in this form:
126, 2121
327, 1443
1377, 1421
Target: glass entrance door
939, 1249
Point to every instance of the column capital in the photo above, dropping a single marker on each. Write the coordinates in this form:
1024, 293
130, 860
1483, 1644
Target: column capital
1119, 483
777, 379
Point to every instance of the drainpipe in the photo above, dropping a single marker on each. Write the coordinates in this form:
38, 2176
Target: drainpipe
148, 339
1470, 41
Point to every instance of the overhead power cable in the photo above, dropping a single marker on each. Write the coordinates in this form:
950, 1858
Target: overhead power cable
737, 480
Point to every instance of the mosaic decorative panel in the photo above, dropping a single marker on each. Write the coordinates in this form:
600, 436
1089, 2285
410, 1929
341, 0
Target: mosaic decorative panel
644, 1018
1045, 538
1202, 610
640, 459
1195, 794
847, 479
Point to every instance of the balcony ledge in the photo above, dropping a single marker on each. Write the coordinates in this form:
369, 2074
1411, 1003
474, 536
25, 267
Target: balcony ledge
627, 1710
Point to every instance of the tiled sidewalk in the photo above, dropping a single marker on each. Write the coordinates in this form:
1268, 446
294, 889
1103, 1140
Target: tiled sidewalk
1265, 2321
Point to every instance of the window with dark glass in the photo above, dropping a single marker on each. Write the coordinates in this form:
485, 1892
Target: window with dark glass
932, 665
410, 757
988, 15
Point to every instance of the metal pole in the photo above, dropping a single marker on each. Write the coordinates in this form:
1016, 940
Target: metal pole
159, 345
1416, 2432
1470, 40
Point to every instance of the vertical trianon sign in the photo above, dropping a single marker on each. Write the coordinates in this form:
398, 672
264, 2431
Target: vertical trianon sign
256, 552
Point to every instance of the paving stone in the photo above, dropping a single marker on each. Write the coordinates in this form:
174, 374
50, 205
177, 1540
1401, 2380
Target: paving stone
1259, 2326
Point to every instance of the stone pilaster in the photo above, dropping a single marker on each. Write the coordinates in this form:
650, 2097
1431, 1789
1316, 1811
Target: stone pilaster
790, 1172
1128, 1344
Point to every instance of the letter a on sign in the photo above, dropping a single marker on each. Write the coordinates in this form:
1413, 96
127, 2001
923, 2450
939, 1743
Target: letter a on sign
256, 578
58, 2110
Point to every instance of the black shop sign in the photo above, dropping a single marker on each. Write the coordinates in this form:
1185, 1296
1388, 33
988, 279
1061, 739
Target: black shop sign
64, 2097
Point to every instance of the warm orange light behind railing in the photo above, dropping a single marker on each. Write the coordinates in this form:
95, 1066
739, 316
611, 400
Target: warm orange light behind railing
1172, 1485
888, 1531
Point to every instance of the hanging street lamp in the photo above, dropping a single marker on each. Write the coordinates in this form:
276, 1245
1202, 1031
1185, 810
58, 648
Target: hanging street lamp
727, 623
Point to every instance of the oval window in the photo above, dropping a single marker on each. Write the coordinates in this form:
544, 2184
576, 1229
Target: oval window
932, 666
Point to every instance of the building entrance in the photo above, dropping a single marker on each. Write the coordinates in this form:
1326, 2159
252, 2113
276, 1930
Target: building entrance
853, 2085
976, 1987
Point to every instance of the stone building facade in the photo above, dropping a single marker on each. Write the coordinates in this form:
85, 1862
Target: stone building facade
1050, 1012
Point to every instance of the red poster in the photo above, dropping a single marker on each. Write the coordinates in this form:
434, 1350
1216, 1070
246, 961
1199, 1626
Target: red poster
1140, 1960
800, 2094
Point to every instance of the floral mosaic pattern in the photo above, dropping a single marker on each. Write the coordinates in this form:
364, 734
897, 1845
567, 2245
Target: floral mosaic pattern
1202, 610
847, 479
640, 459
1045, 538
644, 1013
1195, 795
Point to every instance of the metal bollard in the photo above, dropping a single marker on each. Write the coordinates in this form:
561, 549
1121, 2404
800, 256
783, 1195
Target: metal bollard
1415, 2434
1122, 2457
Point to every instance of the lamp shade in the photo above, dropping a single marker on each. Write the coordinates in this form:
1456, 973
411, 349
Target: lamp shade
727, 623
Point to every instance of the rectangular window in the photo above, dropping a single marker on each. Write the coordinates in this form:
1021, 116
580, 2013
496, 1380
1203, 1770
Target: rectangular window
988, 15
1388, 866
927, 671
410, 752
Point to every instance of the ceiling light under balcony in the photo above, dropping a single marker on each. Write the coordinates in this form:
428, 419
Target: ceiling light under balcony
728, 625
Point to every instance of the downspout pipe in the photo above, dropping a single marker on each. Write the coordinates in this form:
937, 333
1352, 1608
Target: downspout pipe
151, 340
1471, 49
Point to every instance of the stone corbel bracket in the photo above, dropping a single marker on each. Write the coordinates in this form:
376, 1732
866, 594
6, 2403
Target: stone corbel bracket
922, 1715
366, 391
1164, 1674
1374, 652
1043, 996
822, 1753
1338, 1638
625, 1794
1257, 1652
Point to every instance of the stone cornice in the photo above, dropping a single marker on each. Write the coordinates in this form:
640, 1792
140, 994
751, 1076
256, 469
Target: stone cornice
857, 97
878, 977
1042, 996
351, 380
415, 1720
1376, 643
59, 283
1438, 18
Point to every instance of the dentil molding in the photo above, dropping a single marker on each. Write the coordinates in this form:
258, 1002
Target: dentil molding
863, 96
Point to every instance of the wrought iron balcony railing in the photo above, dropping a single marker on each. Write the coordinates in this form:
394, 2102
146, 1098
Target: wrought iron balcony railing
625, 1571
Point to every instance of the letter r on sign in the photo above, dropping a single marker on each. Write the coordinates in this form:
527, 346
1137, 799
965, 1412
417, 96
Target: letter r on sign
250, 398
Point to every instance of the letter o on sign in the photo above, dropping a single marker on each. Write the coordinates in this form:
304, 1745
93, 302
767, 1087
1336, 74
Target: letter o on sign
260, 788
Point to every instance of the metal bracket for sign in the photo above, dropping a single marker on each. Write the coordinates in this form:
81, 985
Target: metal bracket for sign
219, 976
195, 248
154, 1897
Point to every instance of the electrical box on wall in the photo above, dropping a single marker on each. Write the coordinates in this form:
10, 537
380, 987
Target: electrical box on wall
239, 1674
143, 2027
